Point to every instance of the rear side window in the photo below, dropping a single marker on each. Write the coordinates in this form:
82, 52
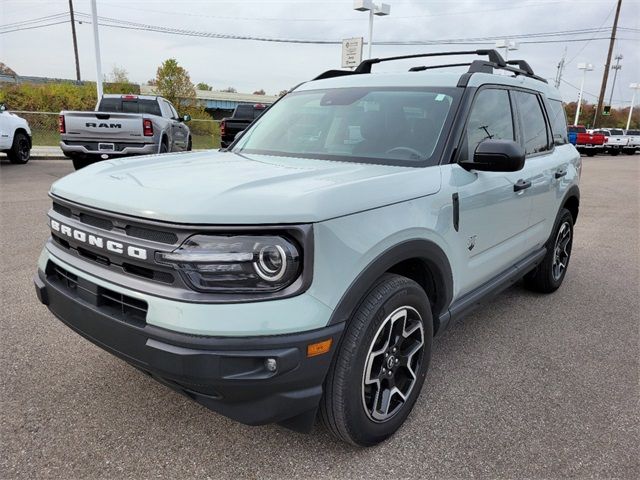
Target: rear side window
490, 117
558, 122
534, 127
119, 105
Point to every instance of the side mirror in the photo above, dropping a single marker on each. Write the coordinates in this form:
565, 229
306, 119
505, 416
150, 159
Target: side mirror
2, 107
496, 156
186, 118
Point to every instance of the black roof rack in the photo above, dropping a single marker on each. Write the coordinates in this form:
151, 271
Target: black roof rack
495, 61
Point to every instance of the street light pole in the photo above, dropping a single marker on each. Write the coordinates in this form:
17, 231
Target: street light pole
584, 67
635, 87
96, 43
370, 31
616, 67
380, 10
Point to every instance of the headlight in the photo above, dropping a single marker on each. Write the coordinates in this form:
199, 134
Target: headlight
236, 263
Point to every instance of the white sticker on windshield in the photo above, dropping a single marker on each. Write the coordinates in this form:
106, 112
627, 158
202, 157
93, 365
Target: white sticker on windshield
439, 97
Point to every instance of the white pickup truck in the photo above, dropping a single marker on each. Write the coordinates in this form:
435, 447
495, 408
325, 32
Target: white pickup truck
616, 141
634, 141
123, 125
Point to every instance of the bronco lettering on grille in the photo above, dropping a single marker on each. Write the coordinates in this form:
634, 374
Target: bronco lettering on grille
99, 242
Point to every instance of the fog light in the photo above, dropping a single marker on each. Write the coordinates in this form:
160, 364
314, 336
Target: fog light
271, 364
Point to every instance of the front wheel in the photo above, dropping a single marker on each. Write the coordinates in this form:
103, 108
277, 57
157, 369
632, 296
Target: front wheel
590, 153
615, 152
189, 145
548, 276
380, 367
20, 149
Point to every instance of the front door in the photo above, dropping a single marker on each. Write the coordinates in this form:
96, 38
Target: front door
495, 207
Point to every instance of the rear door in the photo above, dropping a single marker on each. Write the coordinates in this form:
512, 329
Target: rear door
548, 165
179, 129
494, 217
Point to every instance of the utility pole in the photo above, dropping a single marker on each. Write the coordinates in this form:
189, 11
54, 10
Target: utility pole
616, 67
560, 68
75, 40
605, 75
96, 44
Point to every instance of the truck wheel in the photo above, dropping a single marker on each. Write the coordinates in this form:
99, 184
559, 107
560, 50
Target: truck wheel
590, 153
548, 276
20, 149
378, 372
164, 147
615, 152
82, 161
189, 145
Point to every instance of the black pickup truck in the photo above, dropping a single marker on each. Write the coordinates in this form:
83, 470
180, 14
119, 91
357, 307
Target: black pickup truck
242, 116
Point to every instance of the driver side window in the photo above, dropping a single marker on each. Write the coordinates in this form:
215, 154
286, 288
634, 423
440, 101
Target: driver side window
490, 117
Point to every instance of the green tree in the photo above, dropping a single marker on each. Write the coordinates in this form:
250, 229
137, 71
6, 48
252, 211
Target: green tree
174, 84
203, 86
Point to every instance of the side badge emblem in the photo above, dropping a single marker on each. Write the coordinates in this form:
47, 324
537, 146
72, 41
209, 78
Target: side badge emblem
472, 242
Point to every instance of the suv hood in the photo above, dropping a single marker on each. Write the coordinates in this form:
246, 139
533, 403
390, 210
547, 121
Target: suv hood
215, 187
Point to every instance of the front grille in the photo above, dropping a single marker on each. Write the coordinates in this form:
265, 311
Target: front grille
62, 210
153, 235
97, 222
123, 307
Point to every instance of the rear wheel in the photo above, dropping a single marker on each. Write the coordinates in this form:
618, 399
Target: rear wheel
380, 367
164, 146
189, 145
590, 153
20, 149
615, 152
548, 276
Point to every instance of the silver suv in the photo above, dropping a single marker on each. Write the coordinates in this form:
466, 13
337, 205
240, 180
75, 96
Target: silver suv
308, 267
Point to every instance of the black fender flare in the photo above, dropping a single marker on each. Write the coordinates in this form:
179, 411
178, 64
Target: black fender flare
574, 191
430, 253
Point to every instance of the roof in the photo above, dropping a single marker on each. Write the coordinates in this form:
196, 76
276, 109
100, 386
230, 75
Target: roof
496, 71
221, 96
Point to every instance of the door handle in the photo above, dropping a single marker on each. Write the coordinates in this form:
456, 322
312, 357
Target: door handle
521, 185
560, 173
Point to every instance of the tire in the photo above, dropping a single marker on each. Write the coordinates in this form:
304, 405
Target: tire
615, 152
189, 145
82, 161
164, 148
20, 149
590, 153
548, 276
349, 407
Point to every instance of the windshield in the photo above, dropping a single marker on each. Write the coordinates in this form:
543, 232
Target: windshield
390, 126
616, 132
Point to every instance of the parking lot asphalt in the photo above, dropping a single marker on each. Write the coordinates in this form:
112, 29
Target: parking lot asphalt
528, 386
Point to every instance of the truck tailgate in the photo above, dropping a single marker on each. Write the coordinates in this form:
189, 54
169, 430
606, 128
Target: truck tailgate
119, 127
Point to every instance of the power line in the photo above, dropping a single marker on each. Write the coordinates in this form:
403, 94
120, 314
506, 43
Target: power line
35, 20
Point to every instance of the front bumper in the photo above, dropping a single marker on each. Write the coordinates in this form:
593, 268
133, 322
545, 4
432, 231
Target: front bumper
225, 374
91, 148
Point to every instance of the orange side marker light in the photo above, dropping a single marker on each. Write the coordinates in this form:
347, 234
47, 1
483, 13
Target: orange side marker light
319, 348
